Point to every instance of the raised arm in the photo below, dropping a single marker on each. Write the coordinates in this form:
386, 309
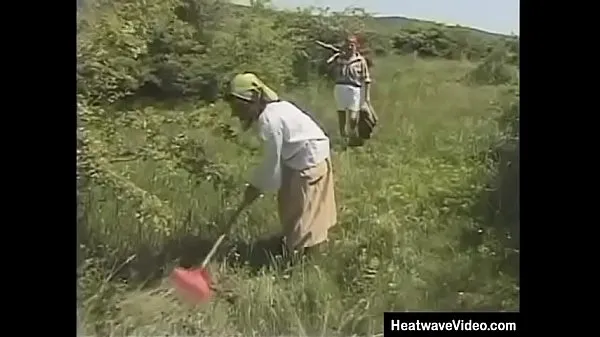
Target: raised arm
333, 58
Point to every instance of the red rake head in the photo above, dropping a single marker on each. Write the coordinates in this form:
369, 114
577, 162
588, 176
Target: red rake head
193, 285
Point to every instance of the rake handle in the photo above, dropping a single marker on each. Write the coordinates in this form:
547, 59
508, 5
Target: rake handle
220, 239
327, 46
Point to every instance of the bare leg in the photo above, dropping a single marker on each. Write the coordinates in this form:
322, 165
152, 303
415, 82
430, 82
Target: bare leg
353, 124
342, 123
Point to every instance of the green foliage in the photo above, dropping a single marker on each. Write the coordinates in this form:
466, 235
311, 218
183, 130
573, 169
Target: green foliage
150, 177
189, 48
509, 119
449, 43
495, 69
170, 50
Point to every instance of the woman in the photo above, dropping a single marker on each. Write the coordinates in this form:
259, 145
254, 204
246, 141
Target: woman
351, 76
296, 162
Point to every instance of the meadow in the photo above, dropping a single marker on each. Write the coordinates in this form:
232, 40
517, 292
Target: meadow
428, 215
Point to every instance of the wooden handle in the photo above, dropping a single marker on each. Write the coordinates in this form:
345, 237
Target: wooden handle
327, 45
212, 251
220, 239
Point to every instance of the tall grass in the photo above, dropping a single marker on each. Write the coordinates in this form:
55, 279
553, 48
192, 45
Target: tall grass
411, 233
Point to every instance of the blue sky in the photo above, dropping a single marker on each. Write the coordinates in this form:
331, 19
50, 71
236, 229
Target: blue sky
499, 16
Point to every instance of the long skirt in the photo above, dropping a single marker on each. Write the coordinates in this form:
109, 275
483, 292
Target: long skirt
307, 208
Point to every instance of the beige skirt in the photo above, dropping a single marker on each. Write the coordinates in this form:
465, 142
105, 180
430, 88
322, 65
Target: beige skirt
307, 208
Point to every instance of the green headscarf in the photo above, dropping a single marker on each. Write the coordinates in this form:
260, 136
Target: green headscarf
243, 85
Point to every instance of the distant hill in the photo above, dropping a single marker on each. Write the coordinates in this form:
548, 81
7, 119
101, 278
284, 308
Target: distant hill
393, 23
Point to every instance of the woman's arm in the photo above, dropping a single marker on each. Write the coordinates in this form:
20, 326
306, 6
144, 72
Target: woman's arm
333, 58
366, 80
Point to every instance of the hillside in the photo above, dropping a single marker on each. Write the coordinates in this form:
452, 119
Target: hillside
386, 34
388, 24
412, 234
394, 23
428, 210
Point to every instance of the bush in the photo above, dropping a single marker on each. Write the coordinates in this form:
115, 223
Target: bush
449, 43
494, 70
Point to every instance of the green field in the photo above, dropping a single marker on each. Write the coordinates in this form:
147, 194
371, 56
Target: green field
412, 234
428, 216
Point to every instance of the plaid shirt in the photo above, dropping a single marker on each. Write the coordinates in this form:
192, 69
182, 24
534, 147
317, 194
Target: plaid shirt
353, 71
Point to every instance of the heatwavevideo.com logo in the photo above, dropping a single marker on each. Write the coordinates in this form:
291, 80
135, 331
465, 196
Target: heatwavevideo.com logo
454, 325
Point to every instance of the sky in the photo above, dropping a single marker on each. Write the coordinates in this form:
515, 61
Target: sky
498, 16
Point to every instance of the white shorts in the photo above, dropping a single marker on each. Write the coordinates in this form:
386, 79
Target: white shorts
347, 97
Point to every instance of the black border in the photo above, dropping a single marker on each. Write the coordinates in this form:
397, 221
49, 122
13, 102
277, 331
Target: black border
39, 66
529, 149
550, 61
43, 59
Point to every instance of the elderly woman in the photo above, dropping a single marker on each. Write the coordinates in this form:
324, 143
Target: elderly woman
296, 162
352, 74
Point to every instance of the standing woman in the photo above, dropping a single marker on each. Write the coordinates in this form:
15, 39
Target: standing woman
351, 76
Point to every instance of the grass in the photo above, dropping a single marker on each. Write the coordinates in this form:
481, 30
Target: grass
412, 231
